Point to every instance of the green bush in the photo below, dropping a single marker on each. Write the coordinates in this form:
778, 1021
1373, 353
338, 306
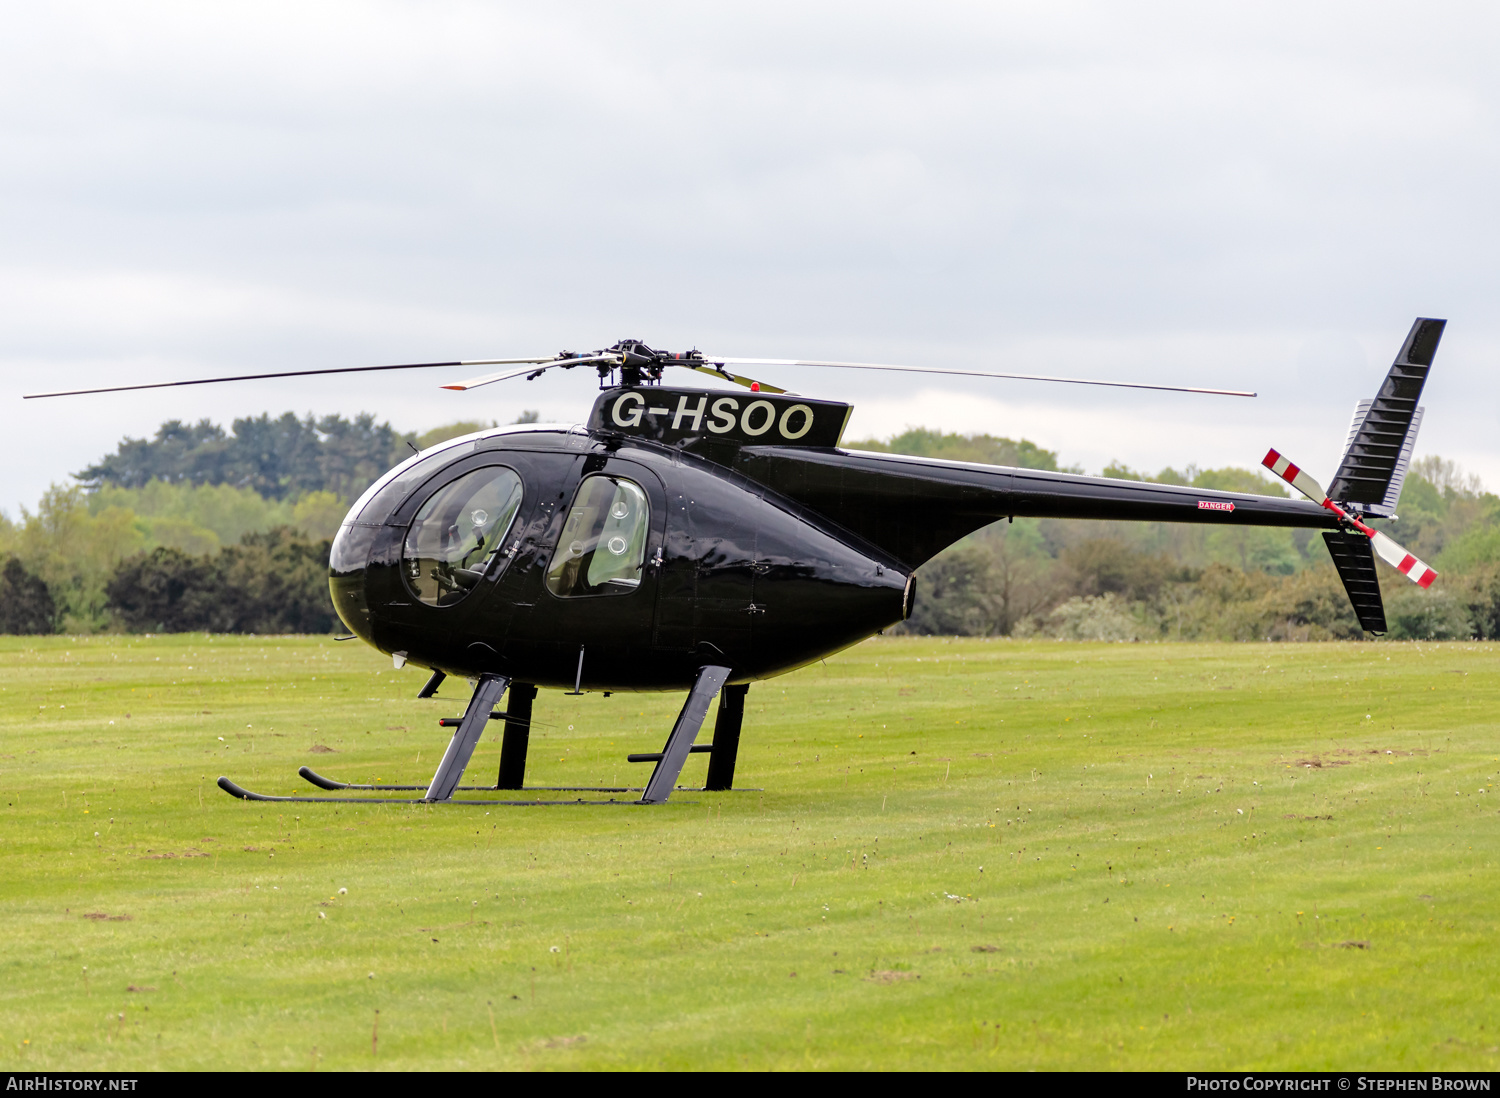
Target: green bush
1433, 614
275, 582
1101, 618
26, 604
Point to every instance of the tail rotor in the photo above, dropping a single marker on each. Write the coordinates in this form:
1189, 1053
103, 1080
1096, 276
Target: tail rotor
1385, 547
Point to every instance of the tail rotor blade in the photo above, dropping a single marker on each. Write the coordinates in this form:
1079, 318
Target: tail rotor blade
1387, 550
1294, 476
1398, 558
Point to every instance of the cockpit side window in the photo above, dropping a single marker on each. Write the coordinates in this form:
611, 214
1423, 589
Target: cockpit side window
603, 545
456, 534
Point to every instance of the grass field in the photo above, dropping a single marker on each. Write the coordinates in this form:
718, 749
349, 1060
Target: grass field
967, 854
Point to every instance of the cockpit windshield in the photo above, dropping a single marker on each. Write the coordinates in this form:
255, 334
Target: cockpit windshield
603, 545
456, 534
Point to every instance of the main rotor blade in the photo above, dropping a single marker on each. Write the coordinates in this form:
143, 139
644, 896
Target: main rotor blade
289, 373
550, 364
725, 375
976, 373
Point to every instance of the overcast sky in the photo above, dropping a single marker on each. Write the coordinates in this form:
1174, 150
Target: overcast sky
1257, 197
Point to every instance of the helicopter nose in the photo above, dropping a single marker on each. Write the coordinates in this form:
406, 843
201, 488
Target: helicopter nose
348, 561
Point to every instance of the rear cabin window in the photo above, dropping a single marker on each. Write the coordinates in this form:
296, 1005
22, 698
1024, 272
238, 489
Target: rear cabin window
457, 533
603, 545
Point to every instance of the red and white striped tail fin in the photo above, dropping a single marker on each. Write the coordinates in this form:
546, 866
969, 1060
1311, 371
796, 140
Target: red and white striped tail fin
1294, 476
1409, 566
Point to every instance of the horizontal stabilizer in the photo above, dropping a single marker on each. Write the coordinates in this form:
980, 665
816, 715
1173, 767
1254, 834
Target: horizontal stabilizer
1356, 564
1380, 446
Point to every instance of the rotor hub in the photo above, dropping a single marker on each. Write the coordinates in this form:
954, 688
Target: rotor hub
639, 364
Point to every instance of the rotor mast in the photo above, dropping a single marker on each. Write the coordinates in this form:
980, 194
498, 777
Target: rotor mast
640, 365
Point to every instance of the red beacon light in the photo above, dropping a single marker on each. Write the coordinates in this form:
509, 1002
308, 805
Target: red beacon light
755, 386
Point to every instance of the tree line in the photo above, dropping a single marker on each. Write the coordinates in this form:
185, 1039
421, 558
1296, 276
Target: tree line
199, 528
71, 571
202, 529
275, 458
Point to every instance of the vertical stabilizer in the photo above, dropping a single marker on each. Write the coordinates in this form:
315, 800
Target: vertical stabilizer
1387, 506
1385, 428
1355, 560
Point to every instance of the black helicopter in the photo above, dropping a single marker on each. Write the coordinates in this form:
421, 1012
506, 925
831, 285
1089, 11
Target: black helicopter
702, 539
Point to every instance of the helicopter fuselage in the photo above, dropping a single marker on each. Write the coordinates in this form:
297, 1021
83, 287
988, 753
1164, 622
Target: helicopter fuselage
730, 574
680, 528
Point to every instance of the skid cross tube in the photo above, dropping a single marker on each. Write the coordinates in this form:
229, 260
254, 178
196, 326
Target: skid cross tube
486, 695
656, 756
508, 717
726, 737
517, 737
680, 742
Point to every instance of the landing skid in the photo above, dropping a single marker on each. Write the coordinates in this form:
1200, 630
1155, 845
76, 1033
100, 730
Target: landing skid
322, 781
710, 681
329, 783
236, 790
